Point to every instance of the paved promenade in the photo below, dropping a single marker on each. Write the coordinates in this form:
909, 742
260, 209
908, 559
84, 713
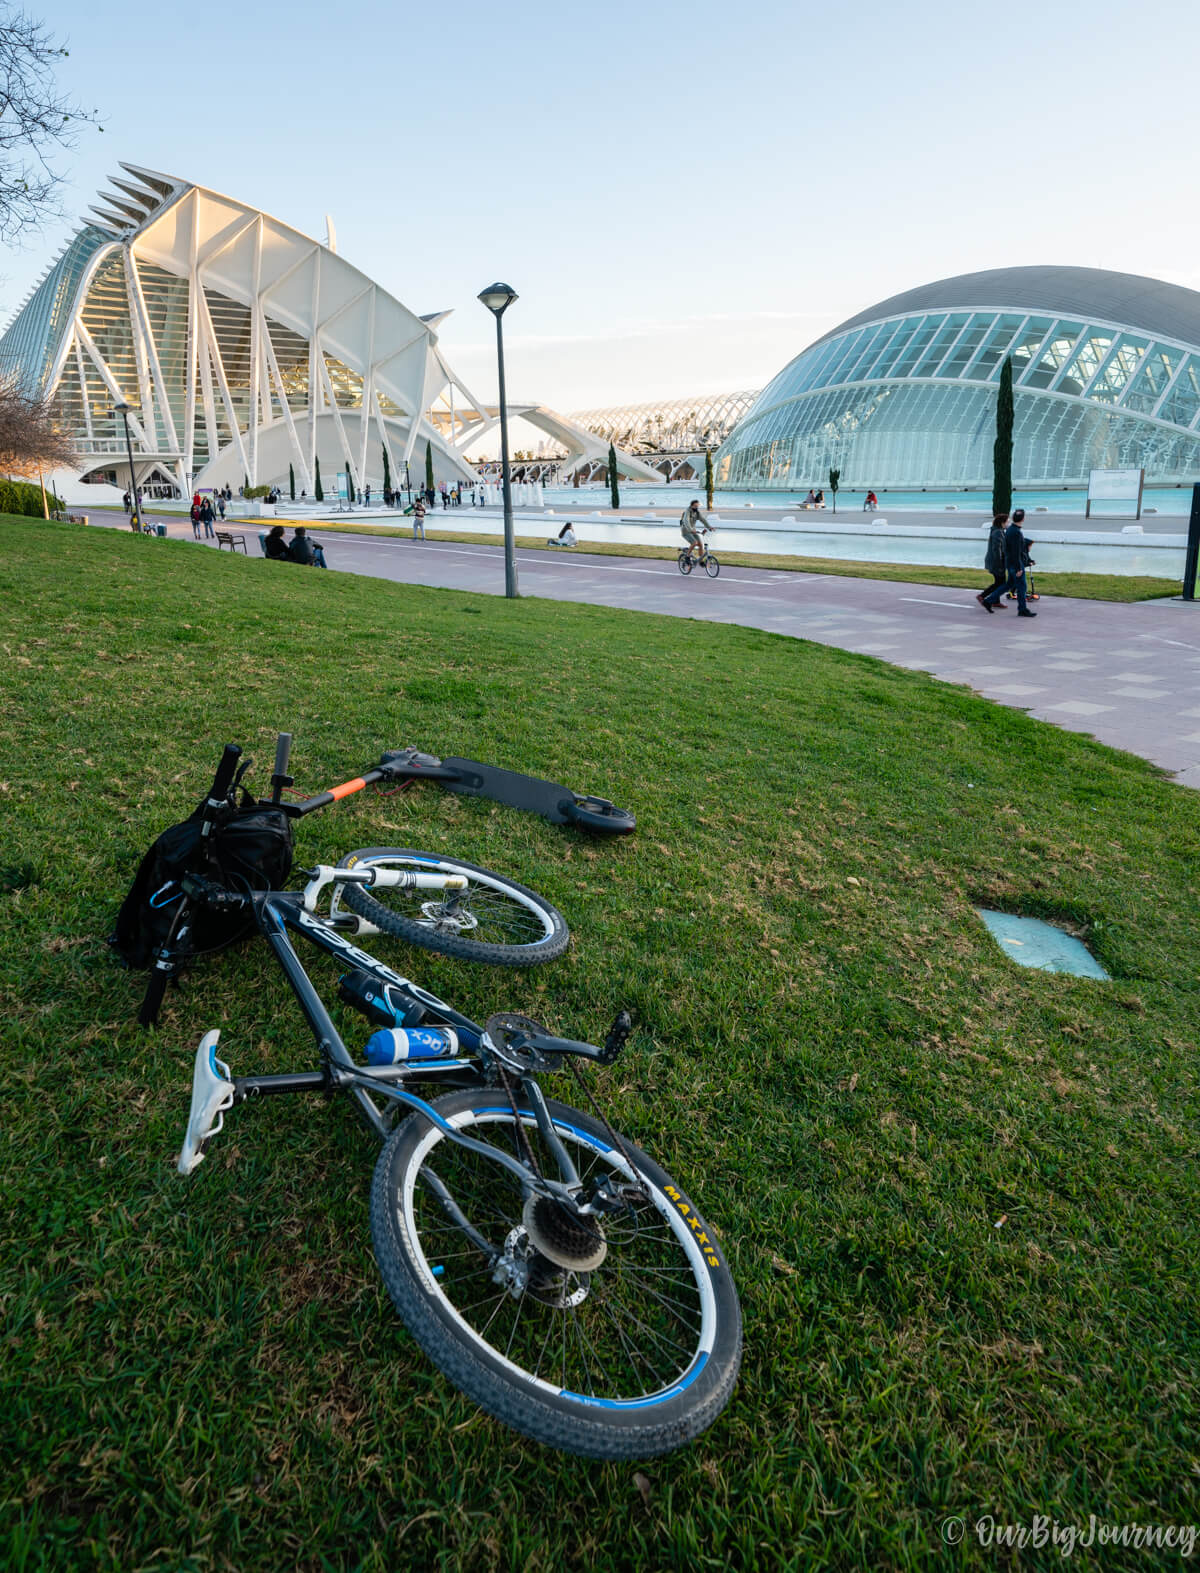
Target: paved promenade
1127, 674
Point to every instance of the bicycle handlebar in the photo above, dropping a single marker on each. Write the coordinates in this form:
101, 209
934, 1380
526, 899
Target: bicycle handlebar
280, 777
224, 776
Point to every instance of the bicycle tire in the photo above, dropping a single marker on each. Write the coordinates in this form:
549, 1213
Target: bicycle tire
712, 566
685, 563
536, 930
596, 813
662, 1302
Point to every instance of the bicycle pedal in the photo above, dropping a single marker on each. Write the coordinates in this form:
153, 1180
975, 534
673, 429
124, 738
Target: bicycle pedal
212, 1094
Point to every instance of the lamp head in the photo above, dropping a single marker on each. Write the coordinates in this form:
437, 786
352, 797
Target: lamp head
498, 298
122, 408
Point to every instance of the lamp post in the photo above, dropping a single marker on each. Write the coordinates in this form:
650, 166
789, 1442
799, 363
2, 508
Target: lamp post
498, 298
135, 508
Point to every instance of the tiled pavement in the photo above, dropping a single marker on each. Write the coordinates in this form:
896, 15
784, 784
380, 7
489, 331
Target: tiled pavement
1127, 674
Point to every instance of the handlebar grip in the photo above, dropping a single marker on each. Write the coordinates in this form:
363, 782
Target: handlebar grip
283, 749
224, 776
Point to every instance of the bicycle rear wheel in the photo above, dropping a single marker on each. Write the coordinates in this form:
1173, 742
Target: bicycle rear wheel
685, 562
631, 1351
494, 920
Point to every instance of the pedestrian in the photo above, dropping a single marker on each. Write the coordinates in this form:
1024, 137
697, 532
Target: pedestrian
195, 516
221, 505
126, 502
366, 496
206, 517
300, 547
993, 558
275, 546
419, 520
1014, 555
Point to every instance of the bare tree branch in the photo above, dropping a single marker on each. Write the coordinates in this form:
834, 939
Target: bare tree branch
29, 435
35, 121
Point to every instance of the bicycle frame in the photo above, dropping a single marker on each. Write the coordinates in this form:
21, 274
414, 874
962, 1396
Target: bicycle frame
277, 912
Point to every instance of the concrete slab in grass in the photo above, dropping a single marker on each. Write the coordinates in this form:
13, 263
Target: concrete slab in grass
1032, 943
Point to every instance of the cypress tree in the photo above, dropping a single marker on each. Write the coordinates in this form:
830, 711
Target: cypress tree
318, 490
1003, 450
292, 482
428, 467
834, 477
387, 473
614, 489
708, 476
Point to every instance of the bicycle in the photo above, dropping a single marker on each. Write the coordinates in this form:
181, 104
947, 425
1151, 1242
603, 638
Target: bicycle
554, 1272
708, 562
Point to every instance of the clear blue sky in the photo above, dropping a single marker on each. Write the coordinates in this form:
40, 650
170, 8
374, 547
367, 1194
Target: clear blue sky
683, 195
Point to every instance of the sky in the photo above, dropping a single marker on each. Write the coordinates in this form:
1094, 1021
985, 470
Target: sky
683, 195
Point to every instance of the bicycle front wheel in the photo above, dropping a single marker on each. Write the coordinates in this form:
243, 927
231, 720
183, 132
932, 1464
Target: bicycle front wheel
622, 1344
493, 919
711, 566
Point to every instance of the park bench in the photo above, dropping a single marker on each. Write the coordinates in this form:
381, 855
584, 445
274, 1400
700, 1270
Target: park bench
228, 538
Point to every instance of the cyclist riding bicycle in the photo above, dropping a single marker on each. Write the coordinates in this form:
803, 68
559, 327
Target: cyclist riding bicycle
694, 526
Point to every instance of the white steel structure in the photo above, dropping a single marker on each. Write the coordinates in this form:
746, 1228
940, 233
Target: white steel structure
243, 347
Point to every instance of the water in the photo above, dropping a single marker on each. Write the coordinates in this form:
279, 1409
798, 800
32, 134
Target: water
1171, 501
1144, 559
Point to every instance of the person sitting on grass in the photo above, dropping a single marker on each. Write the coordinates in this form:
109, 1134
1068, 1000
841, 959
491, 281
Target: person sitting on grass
565, 537
300, 550
275, 546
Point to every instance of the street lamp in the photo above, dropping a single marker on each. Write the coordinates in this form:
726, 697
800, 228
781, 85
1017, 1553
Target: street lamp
135, 510
498, 298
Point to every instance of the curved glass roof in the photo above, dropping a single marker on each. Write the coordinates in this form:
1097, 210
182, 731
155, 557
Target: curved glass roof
32, 338
1089, 393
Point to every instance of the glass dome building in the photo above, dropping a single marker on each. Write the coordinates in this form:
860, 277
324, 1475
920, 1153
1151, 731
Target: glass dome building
1106, 375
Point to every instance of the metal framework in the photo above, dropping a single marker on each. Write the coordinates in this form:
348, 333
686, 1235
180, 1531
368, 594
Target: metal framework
671, 426
903, 397
242, 345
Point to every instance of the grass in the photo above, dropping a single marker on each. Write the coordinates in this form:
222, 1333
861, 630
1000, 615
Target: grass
960, 1198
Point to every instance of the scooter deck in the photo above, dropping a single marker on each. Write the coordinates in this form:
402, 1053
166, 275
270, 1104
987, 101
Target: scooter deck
530, 793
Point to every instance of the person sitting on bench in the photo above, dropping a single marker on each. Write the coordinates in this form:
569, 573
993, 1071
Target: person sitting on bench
275, 545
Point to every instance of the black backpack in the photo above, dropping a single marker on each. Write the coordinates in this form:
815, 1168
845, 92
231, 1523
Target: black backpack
249, 848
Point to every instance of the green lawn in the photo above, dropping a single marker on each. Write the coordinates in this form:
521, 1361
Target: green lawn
959, 1198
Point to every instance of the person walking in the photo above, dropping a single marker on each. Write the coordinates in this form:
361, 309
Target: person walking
1014, 562
195, 516
419, 520
206, 518
221, 505
993, 561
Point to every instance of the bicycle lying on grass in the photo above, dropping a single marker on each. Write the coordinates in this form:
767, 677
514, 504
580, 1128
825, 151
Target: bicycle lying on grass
550, 1268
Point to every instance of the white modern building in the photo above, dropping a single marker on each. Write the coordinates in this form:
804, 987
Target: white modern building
245, 350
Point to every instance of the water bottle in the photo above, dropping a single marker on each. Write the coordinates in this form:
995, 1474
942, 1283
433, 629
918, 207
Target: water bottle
385, 1004
392, 1045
